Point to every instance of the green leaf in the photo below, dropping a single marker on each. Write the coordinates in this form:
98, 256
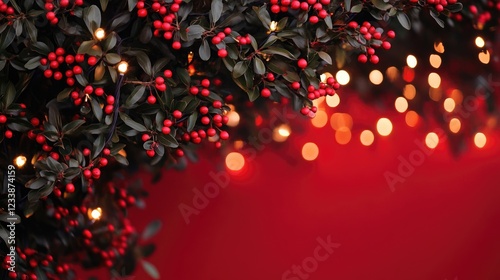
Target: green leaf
159, 64
216, 10
263, 15
121, 159
326, 57
7, 38
455, 8
435, 16
71, 173
150, 269
183, 76
120, 20
204, 50
253, 94
258, 66
239, 69
71, 127
404, 20
41, 48
357, 8
168, 141
92, 18
191, 121
347, 5
381, 5
144, 62
113, 58
36, 183
98, 146
10, 95
278, 51
31, 30
86, 47
32, 63
135, 96
151, 230
131, 123
131, 4
195, 31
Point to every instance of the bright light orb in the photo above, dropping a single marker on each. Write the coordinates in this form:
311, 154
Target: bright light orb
432, 140
384, 127
366, 138
310, 151
333, 100
455, 125
434, 80
435, 60
480, 42
480, 140
99, 33
343, 77
401, 104
20, 161
449, 104
411, 61
235, 161
122, 67
376, 77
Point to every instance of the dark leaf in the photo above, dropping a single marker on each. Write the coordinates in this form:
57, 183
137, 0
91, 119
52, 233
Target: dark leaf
258, 66
36, 183
96, 108
92, 18
435, 16
404, 20
135, 96
104, 4
278, 51
239, 69
381, 5
71, 127
151, 229
144, 62
150, 269
191, 121
98, 146
195, 31
204, 50
131, 123
216, 10
326, 57
184, 76
113, 58
168, 141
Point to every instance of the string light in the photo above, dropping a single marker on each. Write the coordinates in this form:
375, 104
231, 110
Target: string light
310, 151
343, 77
20, 161
434, 80
435, 60
455, 125
449, 104
392, 73
273, 26
480, 140
100, 34
343, 135
233, 118
366, 137
484, 57
281, 133
439, 47
95, 214
409, 91
235, 161
384, 126
432, 140
411, 61
411, 118
333, 100
122, 67
320, 120
190, 57
480, 42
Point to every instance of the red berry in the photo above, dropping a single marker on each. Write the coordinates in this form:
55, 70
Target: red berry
302, 63
165, 130
145, 137
92, 61
167, 122
110, 99
3, 119
177, 114
391, 34
313, 19
374, 59
108, 109
205, 83
362, 58
161, 87
167, 73
224, 135
96, 173
265, 92
150, 153
87, 173
87, 234
194, 90
176, 45
70, 188
222, 53
295, 85
386, 45
203, 110
151, 99
142, 12
8, 134
79, 58
99, 91
159, 80
217, 104
47, 73
103, 161
40, 139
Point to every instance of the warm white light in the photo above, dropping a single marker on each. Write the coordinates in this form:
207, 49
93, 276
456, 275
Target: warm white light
320, 120
401, 104
20, 161
411, 61
233, 118
367, 137
449, 104
392, 73
480, 42
342, 77
122, 67
434, 80
411, 118
455, 125
96, 214
435, 60
235, 161
100, 34
281, 133
333, 100
273, 25
384, 126
310, 151
432, 140
439, 47
376, 77
480, 140
343, 135
484, 57
409, 91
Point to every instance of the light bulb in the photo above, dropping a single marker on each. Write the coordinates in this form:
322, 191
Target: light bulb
122, 67
100, 34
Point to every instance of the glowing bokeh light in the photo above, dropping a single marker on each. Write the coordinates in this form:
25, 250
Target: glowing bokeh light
233, 118
343, 77
480, 42
431, 140
376, 77
411, 118
339, 120
439, 47
457, 96
366, 137
281, 133
392, 73
434, 80
235, 161
320, 120
409, 91
343, 135
401, 104
449, 104
310, 151
435, 60
480, 140
484, 57
333, 100
411, 61
384, 126
20, 161
455, 125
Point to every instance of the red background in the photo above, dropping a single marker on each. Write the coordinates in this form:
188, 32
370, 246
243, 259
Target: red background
441, 223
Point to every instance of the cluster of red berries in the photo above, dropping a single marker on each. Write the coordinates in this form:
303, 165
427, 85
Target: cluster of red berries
3, 121
481, 14
35, 259
369, 34
318, 6
439, 5
219, 37
56, 61
6, 9
115, 247
52, 7
168, 13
